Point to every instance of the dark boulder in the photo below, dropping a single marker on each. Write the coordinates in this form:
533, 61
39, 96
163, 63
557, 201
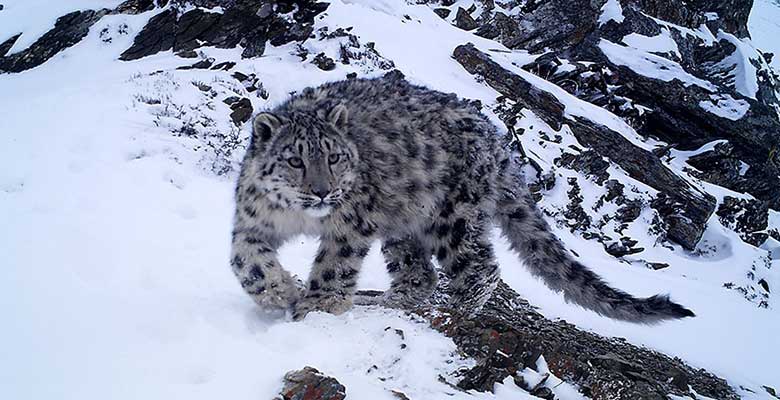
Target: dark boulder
464, 20
242, 109
310, 384
324, 62
442, 12
5, 47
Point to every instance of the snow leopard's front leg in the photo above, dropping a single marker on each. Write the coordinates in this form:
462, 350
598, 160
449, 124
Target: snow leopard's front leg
258, 270
409, 264
333, 279
467, 257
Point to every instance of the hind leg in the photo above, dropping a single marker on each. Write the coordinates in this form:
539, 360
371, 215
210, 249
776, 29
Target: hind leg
409, 265
466, 254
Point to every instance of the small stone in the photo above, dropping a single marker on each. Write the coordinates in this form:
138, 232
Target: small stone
202, 86
225, 66
324, 62
202, 64
352, 75
442, 12
657, 266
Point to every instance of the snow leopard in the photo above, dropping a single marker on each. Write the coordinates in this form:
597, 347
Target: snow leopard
422, 171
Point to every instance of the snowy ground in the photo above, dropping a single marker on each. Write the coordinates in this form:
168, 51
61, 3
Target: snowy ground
763, 25
115, 240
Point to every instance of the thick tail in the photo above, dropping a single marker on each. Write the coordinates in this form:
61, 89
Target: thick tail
545, 257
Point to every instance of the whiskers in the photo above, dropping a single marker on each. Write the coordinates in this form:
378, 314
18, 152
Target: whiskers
311, 201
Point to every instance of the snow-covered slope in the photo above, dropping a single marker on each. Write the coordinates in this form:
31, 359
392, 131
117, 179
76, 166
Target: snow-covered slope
116, 200
764, 24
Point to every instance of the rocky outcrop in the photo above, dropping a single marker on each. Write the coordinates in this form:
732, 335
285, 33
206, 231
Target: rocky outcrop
246, 23
68, 30
701, 36
508, 336
5, 47
748, 218
310, 384
684, 209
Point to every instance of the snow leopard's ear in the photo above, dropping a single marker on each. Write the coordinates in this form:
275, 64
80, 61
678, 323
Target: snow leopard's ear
265, 126
338, 116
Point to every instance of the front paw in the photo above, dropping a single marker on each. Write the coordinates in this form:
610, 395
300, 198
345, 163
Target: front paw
334, 304
279, 295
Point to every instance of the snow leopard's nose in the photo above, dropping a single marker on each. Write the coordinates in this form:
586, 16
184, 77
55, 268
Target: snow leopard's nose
320, 192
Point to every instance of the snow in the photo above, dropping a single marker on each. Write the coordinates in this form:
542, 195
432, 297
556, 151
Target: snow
611, 11
743, 73
764, 23
726, 106
116, 235
650, 65
661, 43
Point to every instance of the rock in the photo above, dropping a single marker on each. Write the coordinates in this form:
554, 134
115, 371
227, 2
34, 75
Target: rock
588, 163
251, 83
399, 395
671, 111
242, 111
68, 30
134, 7
683, 208
749, 218
1, 7
618, 249
463, 20
247, 23
629, 212
225, 66
657, 266
156, 36
202, 64
442, 12
187, 54
576, 217
508, 335
324, 62
309, 384
543, 393
6, 46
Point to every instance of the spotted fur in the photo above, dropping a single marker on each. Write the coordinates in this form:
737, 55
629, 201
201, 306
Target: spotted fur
423, 171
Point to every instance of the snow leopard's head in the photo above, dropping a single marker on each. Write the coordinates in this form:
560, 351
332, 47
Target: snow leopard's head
304, 161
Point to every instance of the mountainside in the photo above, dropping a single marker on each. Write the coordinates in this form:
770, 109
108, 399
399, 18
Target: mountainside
651, 131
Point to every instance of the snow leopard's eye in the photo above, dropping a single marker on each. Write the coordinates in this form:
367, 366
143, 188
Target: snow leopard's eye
295, 162
334, 158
